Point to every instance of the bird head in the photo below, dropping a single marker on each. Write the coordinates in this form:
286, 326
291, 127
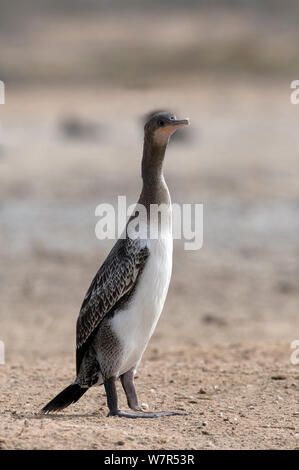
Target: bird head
162, 125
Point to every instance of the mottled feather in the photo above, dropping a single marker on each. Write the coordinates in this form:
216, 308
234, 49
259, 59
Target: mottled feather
110, 287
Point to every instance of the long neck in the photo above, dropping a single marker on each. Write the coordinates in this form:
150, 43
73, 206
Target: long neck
154, 190
152, 161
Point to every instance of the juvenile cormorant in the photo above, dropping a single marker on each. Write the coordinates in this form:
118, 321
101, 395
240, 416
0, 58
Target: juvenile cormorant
126, 297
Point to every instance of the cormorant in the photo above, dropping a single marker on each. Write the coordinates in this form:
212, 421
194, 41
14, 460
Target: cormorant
126, 297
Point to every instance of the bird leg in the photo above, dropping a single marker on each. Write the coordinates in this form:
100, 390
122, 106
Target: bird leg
112, 402
127, 381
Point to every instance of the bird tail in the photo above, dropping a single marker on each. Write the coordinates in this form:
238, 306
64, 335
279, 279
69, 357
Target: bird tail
69, 395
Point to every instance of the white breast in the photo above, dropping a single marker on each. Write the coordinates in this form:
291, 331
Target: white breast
135, 325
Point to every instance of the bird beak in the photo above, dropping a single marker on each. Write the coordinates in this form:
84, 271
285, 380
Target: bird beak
179, 123
165, 132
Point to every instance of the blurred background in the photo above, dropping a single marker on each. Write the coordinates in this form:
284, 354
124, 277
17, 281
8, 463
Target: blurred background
80, 76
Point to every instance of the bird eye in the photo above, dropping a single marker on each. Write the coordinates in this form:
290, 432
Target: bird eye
161, 123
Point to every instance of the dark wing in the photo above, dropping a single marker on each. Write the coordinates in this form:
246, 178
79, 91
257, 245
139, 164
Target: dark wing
113, 282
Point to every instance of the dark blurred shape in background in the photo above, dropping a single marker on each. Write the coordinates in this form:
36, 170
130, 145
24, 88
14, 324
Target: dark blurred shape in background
74, 127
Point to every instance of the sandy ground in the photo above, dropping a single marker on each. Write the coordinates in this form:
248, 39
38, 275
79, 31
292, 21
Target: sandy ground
222, 347
237, 397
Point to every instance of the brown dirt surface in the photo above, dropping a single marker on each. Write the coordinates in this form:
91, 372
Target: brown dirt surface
241, 396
